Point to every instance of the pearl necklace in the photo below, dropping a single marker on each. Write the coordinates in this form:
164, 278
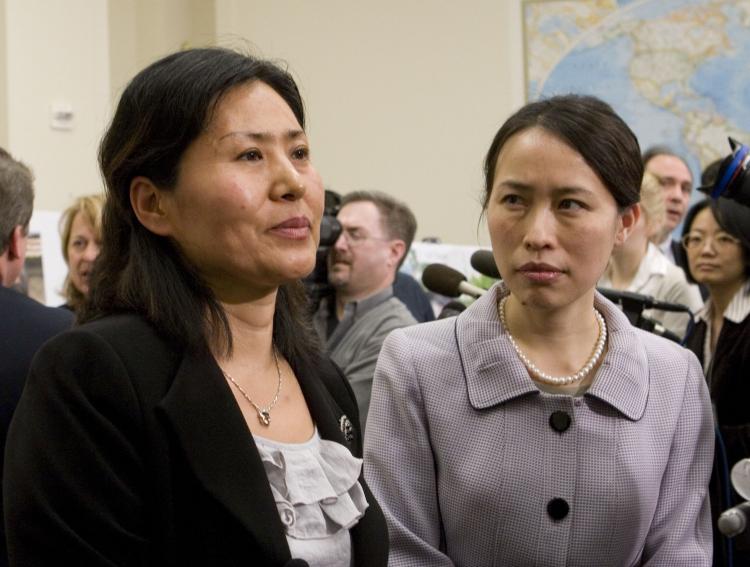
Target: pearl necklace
558, 380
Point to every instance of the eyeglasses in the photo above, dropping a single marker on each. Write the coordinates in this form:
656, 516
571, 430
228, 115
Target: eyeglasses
355, 237
720, 240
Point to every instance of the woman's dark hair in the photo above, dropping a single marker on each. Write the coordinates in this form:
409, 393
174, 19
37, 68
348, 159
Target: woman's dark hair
589, 126
731, 217
161, 112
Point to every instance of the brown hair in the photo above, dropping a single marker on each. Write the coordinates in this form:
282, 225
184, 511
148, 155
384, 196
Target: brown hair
396, 217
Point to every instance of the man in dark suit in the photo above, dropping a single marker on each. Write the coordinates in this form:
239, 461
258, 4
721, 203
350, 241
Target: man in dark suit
25, 324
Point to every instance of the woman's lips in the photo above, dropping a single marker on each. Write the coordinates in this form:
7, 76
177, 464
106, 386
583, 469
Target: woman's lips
540, 272
295, 228
705, 267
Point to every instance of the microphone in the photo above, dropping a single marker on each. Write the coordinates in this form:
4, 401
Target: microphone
444, 280
645, 301
484, 262
451, 309
653, 326
733, 522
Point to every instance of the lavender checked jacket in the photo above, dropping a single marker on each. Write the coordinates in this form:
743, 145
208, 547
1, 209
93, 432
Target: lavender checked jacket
473, 465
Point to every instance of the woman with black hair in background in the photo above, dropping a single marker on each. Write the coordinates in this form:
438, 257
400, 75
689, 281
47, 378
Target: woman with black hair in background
716, 237
191, 420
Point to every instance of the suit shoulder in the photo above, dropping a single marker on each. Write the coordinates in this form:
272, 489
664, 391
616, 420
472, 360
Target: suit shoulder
135, 341
19, 309
127, 332
430, 333
664, 354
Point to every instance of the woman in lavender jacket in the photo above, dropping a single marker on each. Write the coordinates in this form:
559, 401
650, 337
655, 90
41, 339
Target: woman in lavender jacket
539, 428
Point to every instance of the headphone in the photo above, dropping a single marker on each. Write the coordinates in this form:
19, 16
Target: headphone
733, 178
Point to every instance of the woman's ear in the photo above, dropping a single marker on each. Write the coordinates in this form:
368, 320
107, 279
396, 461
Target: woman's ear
627, 220
146, 200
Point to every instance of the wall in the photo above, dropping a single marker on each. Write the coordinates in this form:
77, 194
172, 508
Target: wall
56, 52
142, 31
402, 96
3, 80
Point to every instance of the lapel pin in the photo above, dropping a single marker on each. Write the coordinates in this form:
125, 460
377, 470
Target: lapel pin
346, 428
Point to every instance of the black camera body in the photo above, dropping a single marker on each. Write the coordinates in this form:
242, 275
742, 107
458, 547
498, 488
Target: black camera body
316, 284
733, 178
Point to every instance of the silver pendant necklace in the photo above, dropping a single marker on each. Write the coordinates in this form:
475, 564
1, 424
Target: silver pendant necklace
264, 413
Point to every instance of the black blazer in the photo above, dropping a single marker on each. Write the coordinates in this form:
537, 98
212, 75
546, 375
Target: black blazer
730, 393
126, 450
26, 325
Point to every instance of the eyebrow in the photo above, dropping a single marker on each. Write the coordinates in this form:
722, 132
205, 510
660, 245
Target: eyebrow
525, 188
264, 136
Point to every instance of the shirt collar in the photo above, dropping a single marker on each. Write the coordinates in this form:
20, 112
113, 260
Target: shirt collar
666, 248
737, 310
359, 307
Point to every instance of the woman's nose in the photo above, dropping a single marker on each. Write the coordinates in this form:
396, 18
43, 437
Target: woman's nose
287, 181
539, 229
91, 251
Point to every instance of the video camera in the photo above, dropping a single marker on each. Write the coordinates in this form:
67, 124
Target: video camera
316, 284
733, 178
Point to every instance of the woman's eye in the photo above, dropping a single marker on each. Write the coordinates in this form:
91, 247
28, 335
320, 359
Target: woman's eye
511, 199
301, 153
725, 239
571, 205
250, 155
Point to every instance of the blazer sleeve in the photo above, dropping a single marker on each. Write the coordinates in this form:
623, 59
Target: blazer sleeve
680, 533
399, 463
74, 477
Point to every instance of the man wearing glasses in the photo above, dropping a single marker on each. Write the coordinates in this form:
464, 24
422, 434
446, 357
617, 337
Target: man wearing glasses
377, 231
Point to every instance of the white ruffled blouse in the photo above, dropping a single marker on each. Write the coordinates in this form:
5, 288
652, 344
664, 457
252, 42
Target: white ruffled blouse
318, 496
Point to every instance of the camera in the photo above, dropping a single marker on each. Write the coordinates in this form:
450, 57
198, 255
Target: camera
733, 177
316, 284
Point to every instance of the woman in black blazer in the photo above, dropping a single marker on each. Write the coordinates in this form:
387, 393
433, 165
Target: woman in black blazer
190, 420
716, 237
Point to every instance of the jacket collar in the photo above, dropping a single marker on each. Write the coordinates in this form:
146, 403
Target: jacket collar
495, 375
221, 451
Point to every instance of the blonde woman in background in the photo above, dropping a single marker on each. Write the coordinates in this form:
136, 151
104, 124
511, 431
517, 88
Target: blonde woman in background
81, 234
639, 266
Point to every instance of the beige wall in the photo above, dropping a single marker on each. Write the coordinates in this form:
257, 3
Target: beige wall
402, 95
3, 80
56, 52
141, 31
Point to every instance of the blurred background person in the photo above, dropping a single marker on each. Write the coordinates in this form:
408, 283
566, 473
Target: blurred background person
26, 324
412, 294
376, 233
638, 266
539, 427
190, 418
81, 238
676, 181
717, 240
